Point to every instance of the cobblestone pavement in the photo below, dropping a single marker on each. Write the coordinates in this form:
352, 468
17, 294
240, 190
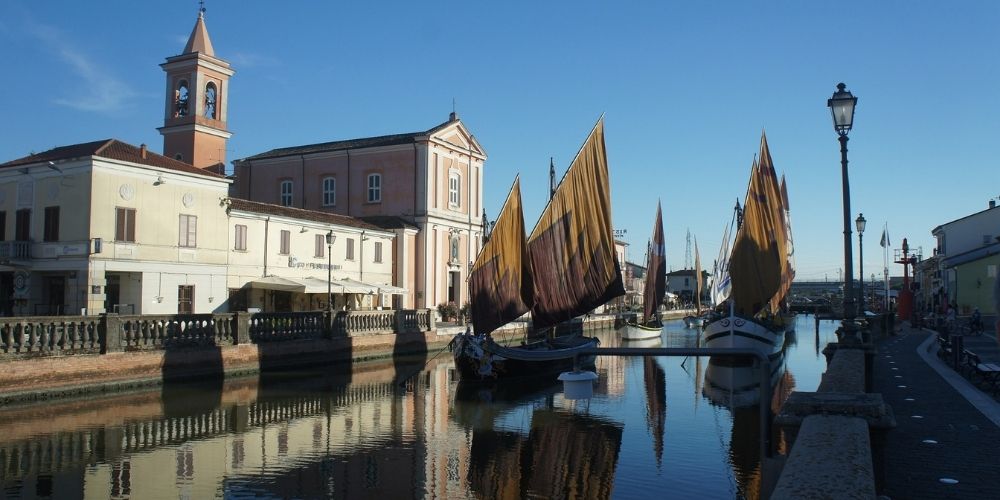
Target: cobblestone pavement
947, 440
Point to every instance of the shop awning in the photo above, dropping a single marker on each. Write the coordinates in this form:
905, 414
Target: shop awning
278, 283
391, 290
354, 286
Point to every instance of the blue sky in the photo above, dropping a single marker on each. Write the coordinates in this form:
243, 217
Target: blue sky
686, 88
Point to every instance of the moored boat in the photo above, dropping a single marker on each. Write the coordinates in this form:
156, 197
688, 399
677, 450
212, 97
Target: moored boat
650, 326
564, 269
760, 270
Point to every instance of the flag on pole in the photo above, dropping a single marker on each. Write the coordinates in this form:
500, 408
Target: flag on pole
885, 238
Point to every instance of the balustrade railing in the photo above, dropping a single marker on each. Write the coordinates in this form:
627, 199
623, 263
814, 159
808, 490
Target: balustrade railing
48, 335
28, 336
15, 250
140, 332
271, 327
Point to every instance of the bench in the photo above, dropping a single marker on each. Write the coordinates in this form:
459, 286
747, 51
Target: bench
989, 372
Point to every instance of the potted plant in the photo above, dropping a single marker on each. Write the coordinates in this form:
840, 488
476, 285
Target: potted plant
447, 310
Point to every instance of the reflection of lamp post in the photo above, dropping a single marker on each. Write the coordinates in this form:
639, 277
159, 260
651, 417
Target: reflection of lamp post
859, 223
330, 238
842, 106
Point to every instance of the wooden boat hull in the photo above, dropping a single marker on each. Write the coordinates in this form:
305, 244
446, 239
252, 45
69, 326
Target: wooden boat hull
739, 332
633, 331
474, 360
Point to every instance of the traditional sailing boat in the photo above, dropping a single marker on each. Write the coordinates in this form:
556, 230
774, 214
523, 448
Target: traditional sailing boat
758, 268
566, 268
696, 320
656, 287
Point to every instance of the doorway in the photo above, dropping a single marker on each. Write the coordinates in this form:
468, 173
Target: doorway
454, 286
185, 299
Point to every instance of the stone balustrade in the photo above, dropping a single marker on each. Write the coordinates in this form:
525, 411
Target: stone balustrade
31, 336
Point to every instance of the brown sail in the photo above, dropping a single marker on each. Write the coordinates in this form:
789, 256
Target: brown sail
500, 281
656, 268
758, 255
571, 248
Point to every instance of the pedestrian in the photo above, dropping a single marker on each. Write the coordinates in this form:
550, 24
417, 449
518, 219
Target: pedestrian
996, 304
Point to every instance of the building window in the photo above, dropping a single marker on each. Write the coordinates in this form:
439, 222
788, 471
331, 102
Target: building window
50, 232
454, 189
241, 237
350, 249
188, 231
125, 224
329, 191
378, 251
237, 299
185, 299
374, 188
181, 99
3, 225
286, 193
211, 98
22, 225
286, 242
320, 245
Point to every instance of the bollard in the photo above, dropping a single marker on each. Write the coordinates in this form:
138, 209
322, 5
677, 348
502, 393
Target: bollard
956, 351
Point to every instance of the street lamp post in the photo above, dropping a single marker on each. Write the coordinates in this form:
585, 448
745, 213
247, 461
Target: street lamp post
859, 223
842, 106
330, 238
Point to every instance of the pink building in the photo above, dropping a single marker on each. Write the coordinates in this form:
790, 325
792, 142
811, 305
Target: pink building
426, 186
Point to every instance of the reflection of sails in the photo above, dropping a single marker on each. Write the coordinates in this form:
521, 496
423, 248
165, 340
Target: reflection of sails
565, 454
655, 383
735, 385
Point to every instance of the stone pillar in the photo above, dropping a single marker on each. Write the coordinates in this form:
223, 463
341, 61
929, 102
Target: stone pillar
110, 333
431, 321
242, 328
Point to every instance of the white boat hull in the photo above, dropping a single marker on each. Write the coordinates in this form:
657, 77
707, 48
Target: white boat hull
639, 332
739, 332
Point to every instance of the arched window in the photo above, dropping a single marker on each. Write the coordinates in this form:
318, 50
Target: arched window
181, 99
286, 193
329, 191
210, 100
374, 188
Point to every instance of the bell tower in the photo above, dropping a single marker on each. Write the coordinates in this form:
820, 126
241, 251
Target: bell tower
194, 123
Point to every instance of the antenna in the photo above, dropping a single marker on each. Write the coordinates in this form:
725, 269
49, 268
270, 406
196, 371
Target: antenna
687, 251
552, 178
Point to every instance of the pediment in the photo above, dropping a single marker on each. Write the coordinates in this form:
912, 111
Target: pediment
455, 134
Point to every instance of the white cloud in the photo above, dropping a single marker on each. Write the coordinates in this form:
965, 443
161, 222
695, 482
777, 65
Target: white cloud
99, 90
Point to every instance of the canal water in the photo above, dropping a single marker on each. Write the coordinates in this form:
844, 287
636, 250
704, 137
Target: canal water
670, 427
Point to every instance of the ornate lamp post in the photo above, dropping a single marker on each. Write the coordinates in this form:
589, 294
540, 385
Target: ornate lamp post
859, 223
330, 238
842, 106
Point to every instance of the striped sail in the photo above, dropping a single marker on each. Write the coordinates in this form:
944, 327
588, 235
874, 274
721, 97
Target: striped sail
571, 247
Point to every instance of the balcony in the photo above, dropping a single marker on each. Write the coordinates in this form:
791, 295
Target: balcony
15, 250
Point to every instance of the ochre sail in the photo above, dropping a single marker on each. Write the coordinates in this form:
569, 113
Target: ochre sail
571, 248
500, 281
656, 267
789, 274
757, 259
777, 222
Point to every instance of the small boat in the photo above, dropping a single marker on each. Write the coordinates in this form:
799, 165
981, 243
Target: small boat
564, 269
759, 267
696, 320
650, 342
655, 288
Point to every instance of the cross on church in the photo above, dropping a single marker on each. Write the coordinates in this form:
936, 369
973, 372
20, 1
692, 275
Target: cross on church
201, 5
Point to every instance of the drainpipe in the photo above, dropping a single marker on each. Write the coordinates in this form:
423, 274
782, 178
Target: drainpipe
361, 257
303, 158
348, 182
266, 222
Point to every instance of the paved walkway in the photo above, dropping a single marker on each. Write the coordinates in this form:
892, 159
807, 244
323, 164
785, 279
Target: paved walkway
947, 440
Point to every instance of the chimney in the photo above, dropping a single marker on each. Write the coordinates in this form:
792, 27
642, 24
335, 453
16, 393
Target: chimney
993, 203
452, 116
142, 151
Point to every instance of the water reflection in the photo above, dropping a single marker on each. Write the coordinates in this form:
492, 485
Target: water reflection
327, 433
